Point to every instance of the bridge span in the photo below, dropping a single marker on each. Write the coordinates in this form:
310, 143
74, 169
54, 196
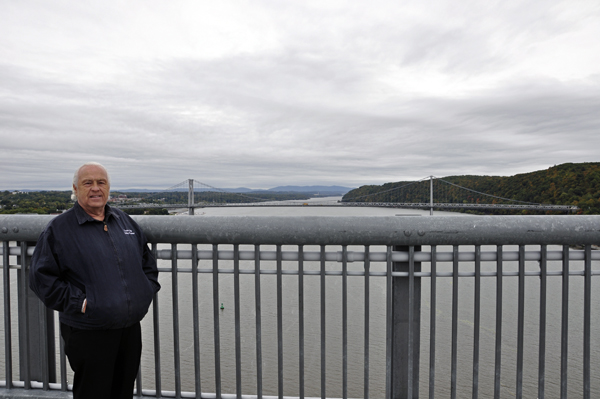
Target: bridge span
412, 195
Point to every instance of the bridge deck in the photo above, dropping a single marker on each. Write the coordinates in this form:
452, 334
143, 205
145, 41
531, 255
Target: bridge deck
408, 205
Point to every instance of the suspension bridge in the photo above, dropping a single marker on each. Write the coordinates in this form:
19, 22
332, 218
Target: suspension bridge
428, 193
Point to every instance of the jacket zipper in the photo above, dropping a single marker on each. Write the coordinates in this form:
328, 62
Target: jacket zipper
120, 267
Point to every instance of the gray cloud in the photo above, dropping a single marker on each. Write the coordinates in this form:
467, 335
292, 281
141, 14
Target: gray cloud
295, 92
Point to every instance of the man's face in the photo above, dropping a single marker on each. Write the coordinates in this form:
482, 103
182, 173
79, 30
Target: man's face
92, 189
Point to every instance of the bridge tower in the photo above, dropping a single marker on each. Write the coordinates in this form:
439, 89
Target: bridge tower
430, 195
190, 197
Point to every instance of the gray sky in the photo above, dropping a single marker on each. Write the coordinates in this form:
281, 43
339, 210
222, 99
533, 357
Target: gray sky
265, 93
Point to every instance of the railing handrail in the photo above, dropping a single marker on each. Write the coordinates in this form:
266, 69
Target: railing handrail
342, 230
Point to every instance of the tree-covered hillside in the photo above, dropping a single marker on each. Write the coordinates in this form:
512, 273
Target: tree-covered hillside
567, 184
41, 202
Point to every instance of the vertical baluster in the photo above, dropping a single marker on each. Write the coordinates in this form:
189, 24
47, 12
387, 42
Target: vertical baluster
301, 319
323, 332
498, 346
175, 295
432, 322
26, 377
257, 300
156, 325
389, 324
542, 340
367, 321
587, 310
64, 386
454, 360
564, 350
477, 321
279, 322
44, 345
238, 339
345, 321
411, 320
217, 333
196, 321
520, 321
7, 318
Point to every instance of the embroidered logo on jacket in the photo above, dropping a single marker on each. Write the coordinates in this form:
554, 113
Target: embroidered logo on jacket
129, 232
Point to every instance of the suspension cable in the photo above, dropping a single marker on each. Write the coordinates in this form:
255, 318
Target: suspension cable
489, 195
387, 191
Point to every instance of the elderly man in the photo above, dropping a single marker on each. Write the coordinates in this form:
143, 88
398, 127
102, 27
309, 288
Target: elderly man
93, 265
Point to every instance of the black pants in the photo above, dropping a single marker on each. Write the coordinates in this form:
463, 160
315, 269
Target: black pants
105, 362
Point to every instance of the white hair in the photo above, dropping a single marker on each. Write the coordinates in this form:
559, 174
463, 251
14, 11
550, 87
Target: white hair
76, 176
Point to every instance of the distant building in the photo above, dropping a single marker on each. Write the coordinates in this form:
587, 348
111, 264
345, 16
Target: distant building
120, 198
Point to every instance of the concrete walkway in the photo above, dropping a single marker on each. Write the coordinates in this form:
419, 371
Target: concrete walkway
20, 393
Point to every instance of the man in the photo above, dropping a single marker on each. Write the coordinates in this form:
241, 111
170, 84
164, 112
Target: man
93, 265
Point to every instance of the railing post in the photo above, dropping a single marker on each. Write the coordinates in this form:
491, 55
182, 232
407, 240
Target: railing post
190, 197
405, 345
36, 322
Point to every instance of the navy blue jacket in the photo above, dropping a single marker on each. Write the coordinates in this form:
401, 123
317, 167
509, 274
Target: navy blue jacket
76, 258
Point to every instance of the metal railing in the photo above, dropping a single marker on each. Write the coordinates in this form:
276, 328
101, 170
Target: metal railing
489, 306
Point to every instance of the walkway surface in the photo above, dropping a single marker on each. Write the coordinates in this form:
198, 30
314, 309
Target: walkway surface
19, 393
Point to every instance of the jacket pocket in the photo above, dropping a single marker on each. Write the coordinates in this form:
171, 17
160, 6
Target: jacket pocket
106, 310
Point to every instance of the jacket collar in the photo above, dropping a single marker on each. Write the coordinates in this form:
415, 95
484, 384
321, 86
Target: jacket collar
83, 217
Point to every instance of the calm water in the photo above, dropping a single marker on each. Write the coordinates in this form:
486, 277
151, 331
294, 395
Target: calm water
356, 327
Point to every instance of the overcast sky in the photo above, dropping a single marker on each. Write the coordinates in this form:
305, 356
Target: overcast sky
266, 93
